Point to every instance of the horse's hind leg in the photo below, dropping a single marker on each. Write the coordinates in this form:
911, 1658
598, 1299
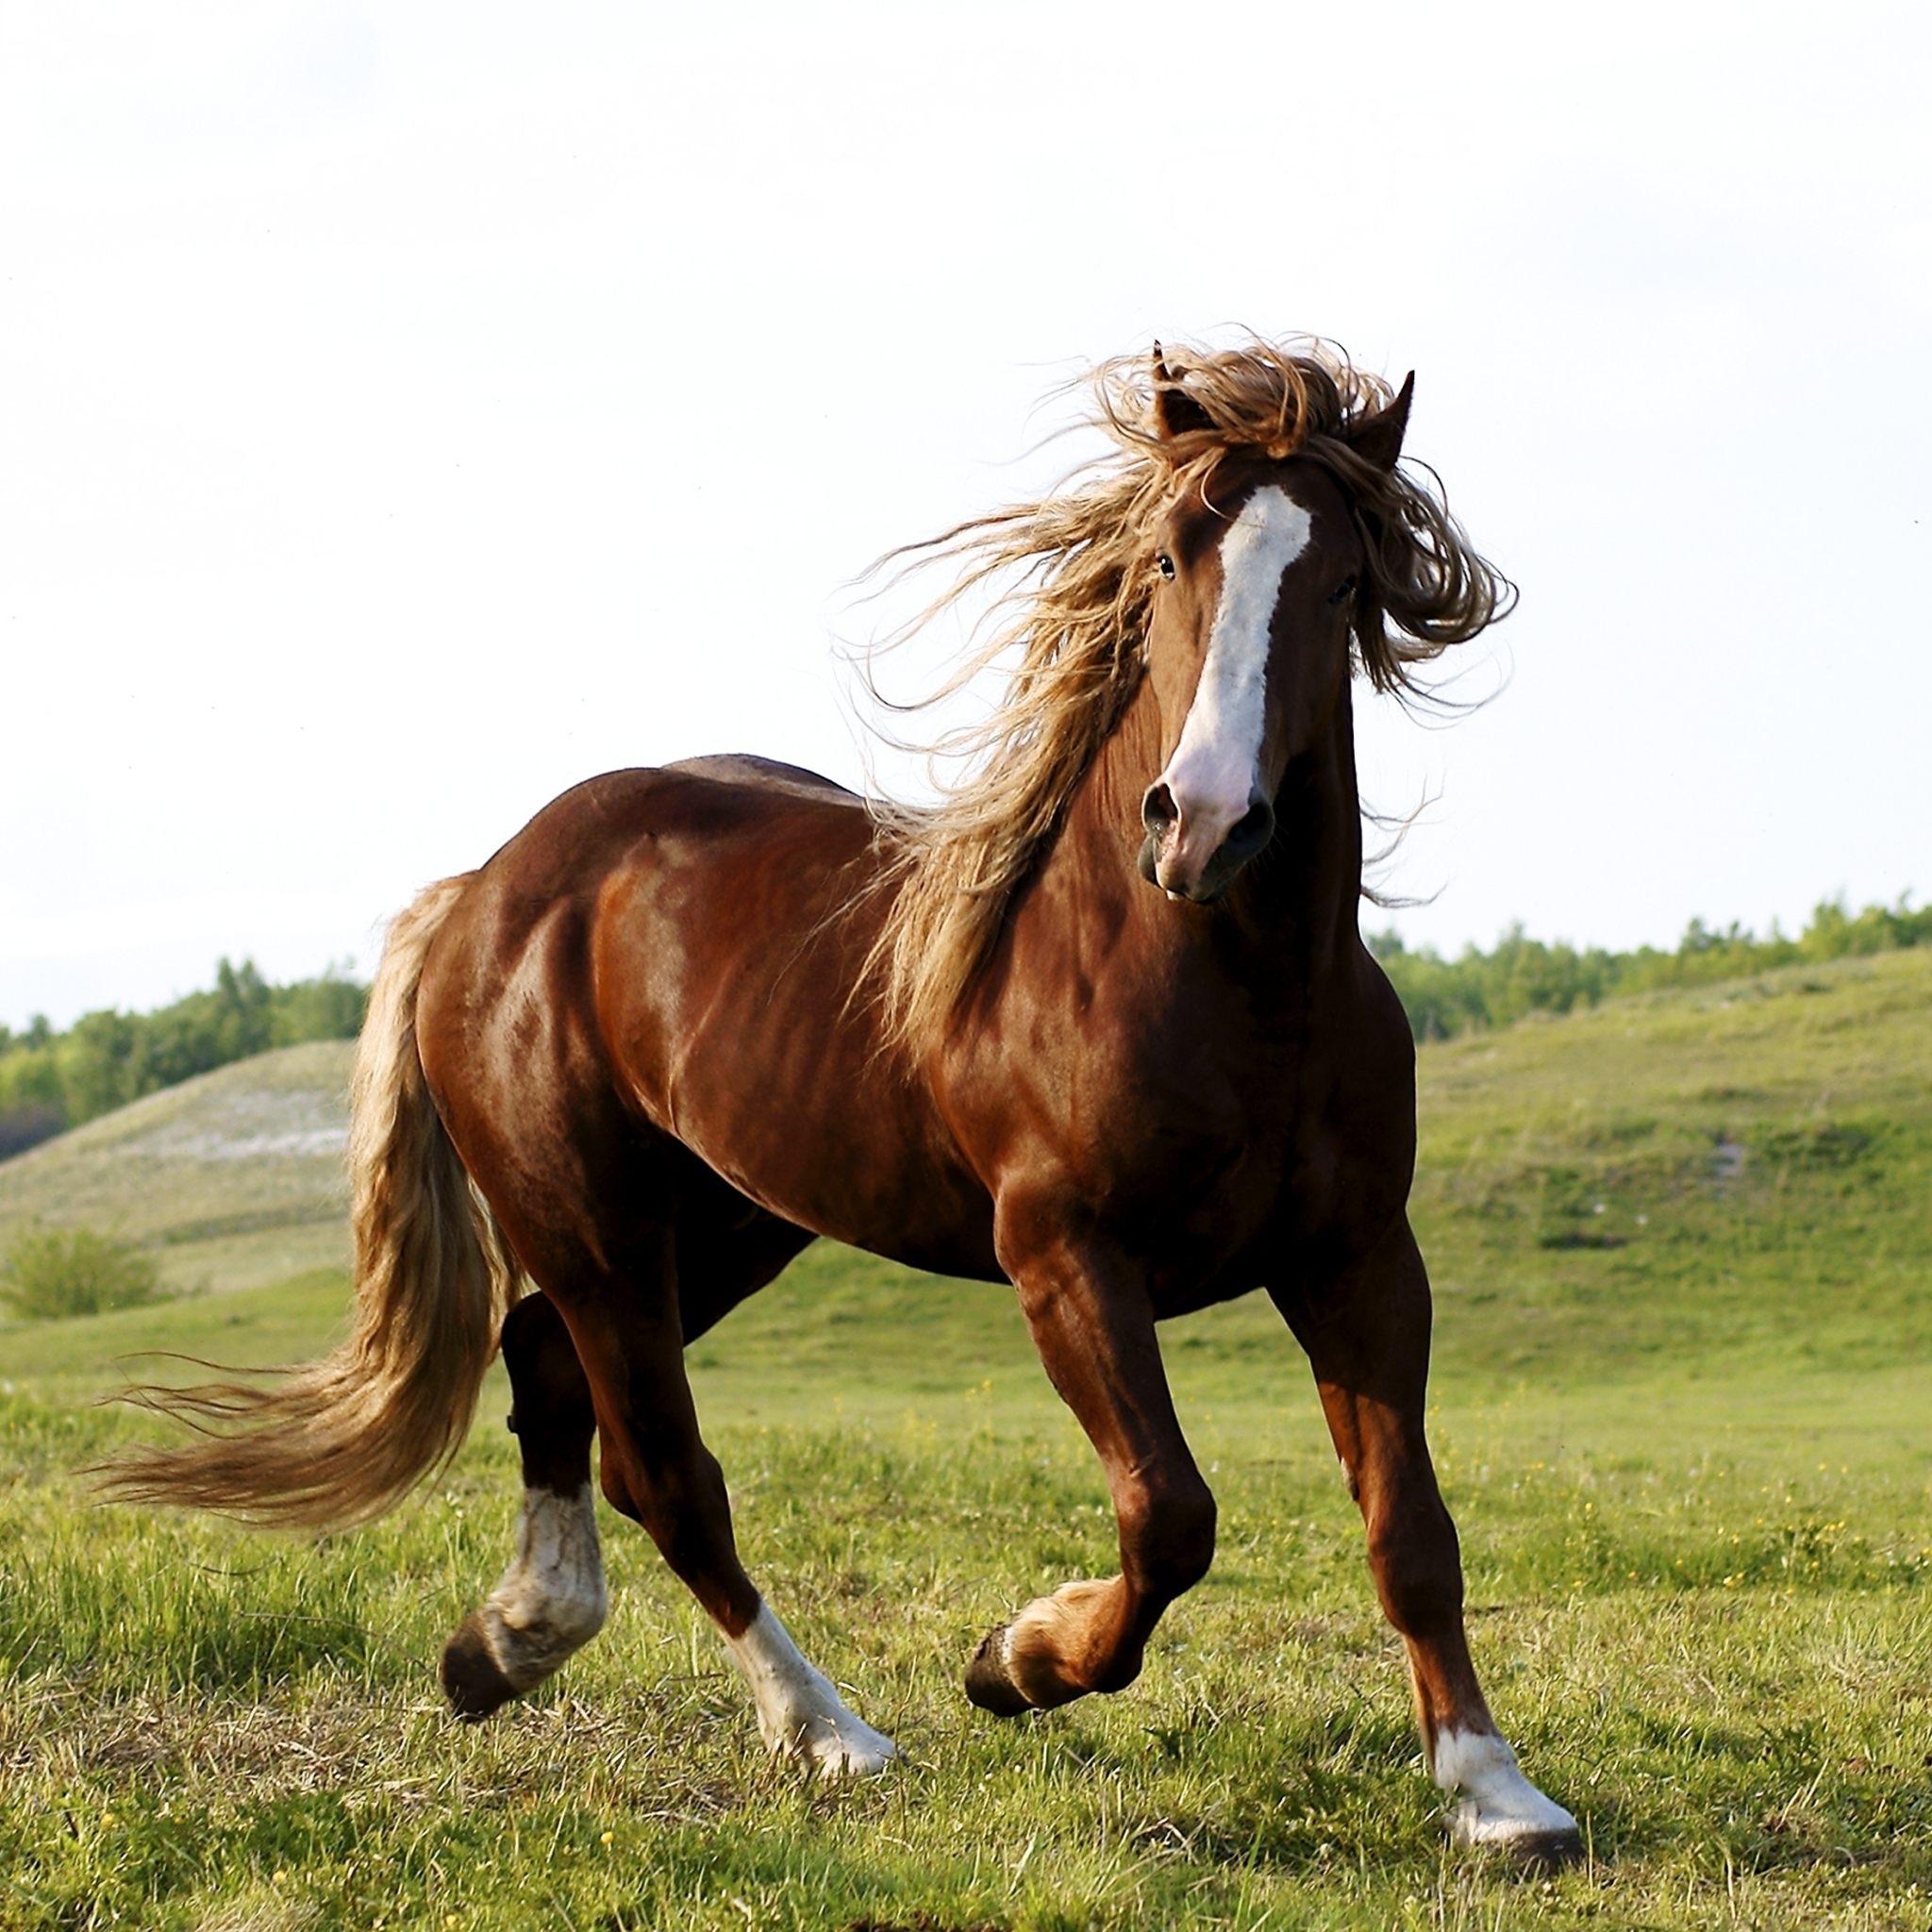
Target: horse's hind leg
551, 1601
655, 1469
1367, 1336
626, 1332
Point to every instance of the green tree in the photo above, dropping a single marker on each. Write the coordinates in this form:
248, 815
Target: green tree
51, 1080
1444, 998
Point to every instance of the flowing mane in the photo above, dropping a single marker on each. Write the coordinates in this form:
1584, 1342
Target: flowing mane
1079, 567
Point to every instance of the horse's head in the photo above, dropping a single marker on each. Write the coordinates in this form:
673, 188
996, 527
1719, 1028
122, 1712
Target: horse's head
1248, 641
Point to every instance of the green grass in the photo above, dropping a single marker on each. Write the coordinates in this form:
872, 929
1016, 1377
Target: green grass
1718, 1652
1690, 1457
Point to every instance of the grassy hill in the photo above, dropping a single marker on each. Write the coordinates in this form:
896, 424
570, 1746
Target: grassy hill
1732, 1177
1738, 1174
233, 1178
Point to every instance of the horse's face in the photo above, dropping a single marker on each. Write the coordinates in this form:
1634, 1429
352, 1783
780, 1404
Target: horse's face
1248, 654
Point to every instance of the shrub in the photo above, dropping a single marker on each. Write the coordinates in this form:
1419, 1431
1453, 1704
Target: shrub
52, 1272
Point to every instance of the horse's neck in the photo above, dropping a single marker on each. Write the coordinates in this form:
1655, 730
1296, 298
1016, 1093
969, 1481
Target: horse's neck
1312, 875
1303, 893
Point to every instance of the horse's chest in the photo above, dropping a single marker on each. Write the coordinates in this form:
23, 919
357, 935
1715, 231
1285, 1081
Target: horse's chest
1196, 1148
1163, 1143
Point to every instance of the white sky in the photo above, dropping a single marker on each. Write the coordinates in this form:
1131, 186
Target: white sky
407, 410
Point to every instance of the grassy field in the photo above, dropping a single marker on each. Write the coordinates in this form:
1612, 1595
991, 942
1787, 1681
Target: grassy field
1687, 1438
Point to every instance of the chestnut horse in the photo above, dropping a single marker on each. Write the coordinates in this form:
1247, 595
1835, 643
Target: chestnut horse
1101, 1024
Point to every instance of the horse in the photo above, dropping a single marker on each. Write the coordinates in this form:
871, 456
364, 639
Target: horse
1099, 1023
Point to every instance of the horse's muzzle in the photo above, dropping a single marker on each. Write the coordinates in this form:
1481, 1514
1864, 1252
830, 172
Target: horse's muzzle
1164, 858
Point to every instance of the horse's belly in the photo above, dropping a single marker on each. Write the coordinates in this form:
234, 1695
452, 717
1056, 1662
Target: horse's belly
835, 1155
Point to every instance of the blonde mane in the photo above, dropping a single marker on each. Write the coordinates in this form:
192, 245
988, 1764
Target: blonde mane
1074, 575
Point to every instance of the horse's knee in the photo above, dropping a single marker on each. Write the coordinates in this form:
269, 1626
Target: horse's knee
1167, 1540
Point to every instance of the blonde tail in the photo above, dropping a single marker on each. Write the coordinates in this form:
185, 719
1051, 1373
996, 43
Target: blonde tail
344, 1439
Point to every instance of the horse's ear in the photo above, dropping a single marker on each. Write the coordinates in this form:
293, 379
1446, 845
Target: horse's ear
1377, 439
1176, 412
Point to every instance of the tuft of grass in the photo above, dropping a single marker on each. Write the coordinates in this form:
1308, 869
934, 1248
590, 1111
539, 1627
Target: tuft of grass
54, 1273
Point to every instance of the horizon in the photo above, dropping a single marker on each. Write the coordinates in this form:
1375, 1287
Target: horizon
1730, 931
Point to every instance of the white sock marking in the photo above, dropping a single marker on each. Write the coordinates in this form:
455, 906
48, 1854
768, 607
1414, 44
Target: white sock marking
1212, 774
551, 1601
799, 1712
1500, 1806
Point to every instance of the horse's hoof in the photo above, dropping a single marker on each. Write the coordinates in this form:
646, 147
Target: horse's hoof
1552, 1852
1535, 1848
988, 1684
1500, 1810
1530, 1851
471, 1678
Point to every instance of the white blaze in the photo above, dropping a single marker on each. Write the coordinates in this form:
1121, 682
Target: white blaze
1216, 765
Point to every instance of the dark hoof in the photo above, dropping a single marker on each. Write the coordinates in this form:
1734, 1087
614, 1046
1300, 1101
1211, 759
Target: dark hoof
1546, 1851
1532, 1852
472, 1679
987, 1683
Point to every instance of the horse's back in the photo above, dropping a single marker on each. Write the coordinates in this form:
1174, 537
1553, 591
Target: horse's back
770, 775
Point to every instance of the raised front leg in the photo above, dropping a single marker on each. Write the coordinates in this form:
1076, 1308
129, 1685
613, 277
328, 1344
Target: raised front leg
1094, 1329
1367, 1336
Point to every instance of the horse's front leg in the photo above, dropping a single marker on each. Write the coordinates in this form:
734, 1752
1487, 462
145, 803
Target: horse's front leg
1093, 1326
1367, 1336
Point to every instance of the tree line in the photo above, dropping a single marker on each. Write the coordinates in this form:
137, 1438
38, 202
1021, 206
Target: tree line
1476, 989
50, 1080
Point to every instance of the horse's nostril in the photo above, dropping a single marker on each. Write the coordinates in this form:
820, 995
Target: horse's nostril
1252, 830
1158, 809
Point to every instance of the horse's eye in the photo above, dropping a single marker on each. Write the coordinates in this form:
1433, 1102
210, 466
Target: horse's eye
1343, 591
1166, 563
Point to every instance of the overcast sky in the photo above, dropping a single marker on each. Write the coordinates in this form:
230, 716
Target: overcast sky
406, 412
